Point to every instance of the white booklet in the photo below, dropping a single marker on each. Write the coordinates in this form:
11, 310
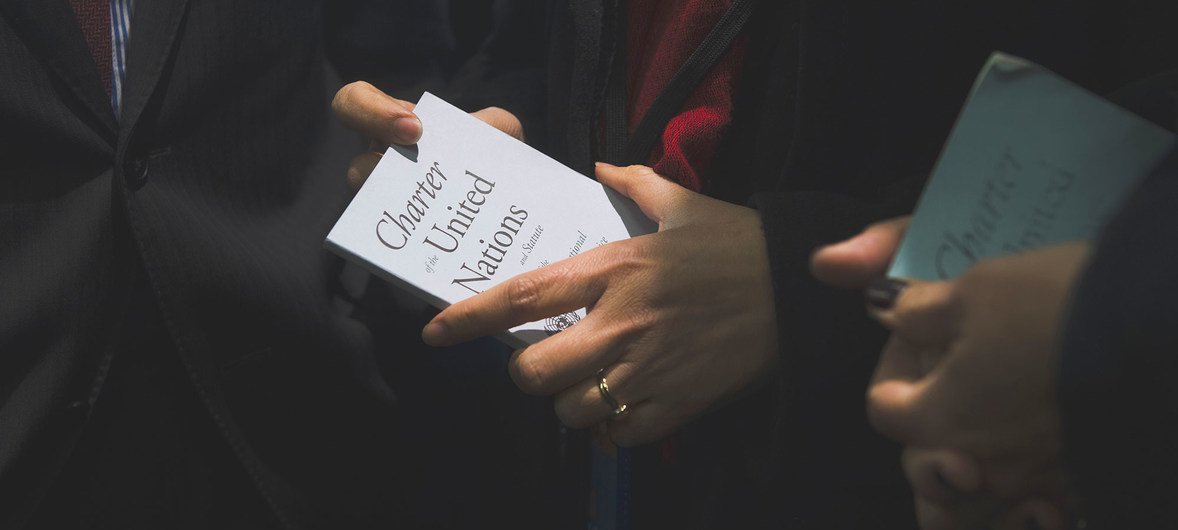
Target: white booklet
1033, 160
469, 207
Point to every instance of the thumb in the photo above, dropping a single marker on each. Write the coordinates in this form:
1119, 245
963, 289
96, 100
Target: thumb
854, 263
364, 108
659, 198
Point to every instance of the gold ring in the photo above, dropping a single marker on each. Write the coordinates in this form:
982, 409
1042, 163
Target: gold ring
603, 387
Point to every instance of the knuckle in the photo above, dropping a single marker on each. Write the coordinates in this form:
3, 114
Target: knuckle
640, 170
906, 322
346, 96
882, 416
629, 256
529, 374
640, 320
523, 294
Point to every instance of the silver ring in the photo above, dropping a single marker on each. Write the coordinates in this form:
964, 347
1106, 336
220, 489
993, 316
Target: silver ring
603, 387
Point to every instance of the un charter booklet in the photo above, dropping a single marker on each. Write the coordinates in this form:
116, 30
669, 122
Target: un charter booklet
1033, 160
469, 207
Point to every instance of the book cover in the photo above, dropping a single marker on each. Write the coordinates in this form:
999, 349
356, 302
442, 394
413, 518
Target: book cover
1032, 160
469, 207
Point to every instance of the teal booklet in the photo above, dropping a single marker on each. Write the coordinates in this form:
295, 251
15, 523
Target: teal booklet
1033, 160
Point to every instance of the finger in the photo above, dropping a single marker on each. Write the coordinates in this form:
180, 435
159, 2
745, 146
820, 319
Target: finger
899, 360
854, 263
658, 197
373, 113
583, 404
562, 360
502, 120
923, 313
895, 409
913, 410
559, 288
941, 475
360, 168
895, 388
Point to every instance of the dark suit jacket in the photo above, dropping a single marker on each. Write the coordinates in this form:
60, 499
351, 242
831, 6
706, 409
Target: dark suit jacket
215, 189
1118, 364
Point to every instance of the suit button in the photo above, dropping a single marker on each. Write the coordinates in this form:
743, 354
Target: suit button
135, 171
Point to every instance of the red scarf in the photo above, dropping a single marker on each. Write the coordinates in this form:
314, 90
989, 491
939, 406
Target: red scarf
661, 34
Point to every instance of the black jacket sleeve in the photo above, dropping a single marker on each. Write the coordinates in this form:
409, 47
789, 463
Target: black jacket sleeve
845, 475
1118, 361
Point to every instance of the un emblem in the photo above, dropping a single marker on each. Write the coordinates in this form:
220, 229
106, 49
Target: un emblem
559, 323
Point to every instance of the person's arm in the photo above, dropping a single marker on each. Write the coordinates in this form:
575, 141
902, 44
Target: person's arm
1119, 360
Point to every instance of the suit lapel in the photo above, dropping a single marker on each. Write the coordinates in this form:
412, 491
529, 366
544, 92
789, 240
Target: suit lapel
154, 28
50, 29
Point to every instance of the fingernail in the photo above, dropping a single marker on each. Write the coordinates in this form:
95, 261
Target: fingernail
606, 165
407, 129
883, 293
434, 333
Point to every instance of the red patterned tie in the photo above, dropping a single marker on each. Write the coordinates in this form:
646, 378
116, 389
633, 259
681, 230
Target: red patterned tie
94, 18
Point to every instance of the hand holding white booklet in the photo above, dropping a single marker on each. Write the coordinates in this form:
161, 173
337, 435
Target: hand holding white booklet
469, 207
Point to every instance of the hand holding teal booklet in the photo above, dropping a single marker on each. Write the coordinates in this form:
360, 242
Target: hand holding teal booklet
1033, 160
